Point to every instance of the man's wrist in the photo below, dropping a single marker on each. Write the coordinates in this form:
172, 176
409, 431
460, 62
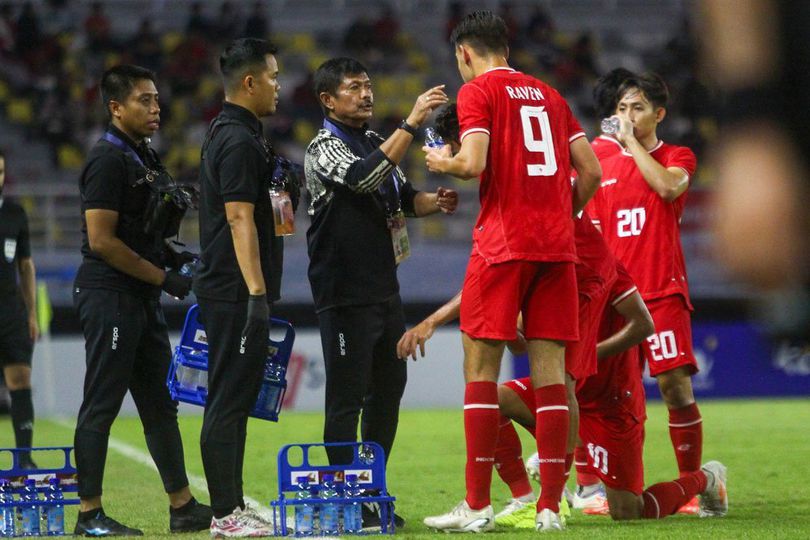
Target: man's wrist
410, 126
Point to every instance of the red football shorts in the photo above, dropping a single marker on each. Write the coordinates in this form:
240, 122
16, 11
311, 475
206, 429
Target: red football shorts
615, 450
671, 345
523, 388
580, 356
494, 295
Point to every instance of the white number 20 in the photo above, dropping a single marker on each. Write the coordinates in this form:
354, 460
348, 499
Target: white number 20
630, 222
663, 345
543, 145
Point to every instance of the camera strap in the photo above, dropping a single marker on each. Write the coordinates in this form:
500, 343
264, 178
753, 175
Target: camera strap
124, 147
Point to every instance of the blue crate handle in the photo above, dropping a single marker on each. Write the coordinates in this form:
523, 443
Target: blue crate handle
371, 476
16, 475
193, 352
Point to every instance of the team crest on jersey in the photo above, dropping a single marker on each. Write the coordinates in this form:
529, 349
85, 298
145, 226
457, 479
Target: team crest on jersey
10, 249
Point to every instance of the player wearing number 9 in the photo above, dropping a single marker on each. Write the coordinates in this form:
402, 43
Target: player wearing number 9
519, 136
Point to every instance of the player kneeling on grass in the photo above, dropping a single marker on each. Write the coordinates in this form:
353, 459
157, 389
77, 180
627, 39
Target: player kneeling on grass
612, 414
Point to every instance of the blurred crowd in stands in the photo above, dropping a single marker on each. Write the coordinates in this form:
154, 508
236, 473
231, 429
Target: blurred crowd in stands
53, 52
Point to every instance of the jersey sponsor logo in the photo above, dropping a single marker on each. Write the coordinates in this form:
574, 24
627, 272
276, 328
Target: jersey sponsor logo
10, 249
115, 338
200, 337
524, 92
609, 182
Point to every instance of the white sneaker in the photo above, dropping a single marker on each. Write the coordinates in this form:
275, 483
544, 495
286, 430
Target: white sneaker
238, 524
714, 500
506, 516
463, 519
589, 497
548, 521
260, 517
533, 467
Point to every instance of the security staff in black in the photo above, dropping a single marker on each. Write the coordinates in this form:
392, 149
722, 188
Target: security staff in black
117, 292
18, 318
358, 198
239, 273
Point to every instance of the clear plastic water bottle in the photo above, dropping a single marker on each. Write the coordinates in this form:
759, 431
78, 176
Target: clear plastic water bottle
610, 126
352, 515
330, 512
304, 511
432, 138
189, 268
30, 512
270, 391
53, 513
7, 524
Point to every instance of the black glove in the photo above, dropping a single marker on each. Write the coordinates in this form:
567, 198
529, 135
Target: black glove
258, 314
174, 260
176, 285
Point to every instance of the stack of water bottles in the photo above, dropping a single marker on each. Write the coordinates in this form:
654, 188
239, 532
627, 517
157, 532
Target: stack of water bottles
329, 509
36, 512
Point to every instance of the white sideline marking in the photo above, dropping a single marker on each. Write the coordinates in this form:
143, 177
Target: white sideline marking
139, 456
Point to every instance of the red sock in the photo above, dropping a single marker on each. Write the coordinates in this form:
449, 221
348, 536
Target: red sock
584, 476
664, 499
481, 431
509, 461
569, 460
552, 435
686, 432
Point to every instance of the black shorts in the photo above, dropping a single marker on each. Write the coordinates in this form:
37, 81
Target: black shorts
16, 346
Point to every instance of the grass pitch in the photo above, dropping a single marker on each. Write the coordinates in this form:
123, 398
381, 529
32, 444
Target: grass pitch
764, 443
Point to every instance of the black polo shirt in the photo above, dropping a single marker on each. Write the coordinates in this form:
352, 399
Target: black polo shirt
112, 180
235, 167
16, 246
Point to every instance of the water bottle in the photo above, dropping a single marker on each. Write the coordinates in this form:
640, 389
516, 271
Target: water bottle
432, 138
7, 525
330, 513
610, 126
30, 512
53, 513
270, 391
352, 516
304, 511
189, 268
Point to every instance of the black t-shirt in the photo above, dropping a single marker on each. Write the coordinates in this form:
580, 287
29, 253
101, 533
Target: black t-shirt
236, 167
112, 180
16, 246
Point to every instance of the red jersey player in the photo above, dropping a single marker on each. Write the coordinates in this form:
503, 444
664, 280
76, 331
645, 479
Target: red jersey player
638, 208
520, 136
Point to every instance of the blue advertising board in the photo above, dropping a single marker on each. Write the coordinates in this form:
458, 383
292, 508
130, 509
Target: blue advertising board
736, 360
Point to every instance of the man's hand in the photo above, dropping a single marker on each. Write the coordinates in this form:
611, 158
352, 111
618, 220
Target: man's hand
176, 285
446, 200
435, 158
258, 315
175, 261
33, 328
413, 338
425, 104
625, 132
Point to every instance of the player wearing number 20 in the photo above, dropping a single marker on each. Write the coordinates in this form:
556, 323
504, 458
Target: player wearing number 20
639, 208
520, 136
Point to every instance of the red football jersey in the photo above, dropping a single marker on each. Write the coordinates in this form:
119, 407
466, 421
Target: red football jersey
597, 266
525, 191
605, 146
641, 228
617, 389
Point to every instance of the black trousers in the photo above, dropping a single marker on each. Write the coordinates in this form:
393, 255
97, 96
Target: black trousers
235, 371
363, 373
15, 342
127, 347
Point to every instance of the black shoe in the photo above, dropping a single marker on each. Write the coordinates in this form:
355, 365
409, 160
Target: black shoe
372, 520
103, 525
192, 517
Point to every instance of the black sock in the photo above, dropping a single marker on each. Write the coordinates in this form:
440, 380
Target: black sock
22, 418
90, 514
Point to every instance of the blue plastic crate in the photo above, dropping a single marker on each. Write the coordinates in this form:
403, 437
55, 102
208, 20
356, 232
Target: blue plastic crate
368, 463
188, 373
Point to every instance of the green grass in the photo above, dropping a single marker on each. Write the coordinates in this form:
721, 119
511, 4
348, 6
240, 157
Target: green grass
766, 445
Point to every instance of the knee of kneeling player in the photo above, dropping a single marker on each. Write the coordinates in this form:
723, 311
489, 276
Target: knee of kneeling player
628, 506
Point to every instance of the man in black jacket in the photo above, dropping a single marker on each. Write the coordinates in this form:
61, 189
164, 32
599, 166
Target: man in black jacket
357, 238
117, 296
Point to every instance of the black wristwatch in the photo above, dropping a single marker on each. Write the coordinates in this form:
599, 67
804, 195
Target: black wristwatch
409, 128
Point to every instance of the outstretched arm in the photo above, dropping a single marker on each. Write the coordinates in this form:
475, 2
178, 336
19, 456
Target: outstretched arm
419, 334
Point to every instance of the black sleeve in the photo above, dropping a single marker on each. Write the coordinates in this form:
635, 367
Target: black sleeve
334, 163
407, 194
23, 240
239, 172
103, 183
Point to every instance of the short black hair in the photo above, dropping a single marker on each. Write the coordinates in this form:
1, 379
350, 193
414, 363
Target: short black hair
447, 123
330, 74
650, 84
241, 56
117, 82
606, 91
484, 31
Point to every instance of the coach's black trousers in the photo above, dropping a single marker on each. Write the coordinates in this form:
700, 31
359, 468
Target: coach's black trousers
127, 348
363, 373
234, 377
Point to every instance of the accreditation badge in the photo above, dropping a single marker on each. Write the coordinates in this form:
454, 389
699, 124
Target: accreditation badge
10, 249
399, 237
283, 215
